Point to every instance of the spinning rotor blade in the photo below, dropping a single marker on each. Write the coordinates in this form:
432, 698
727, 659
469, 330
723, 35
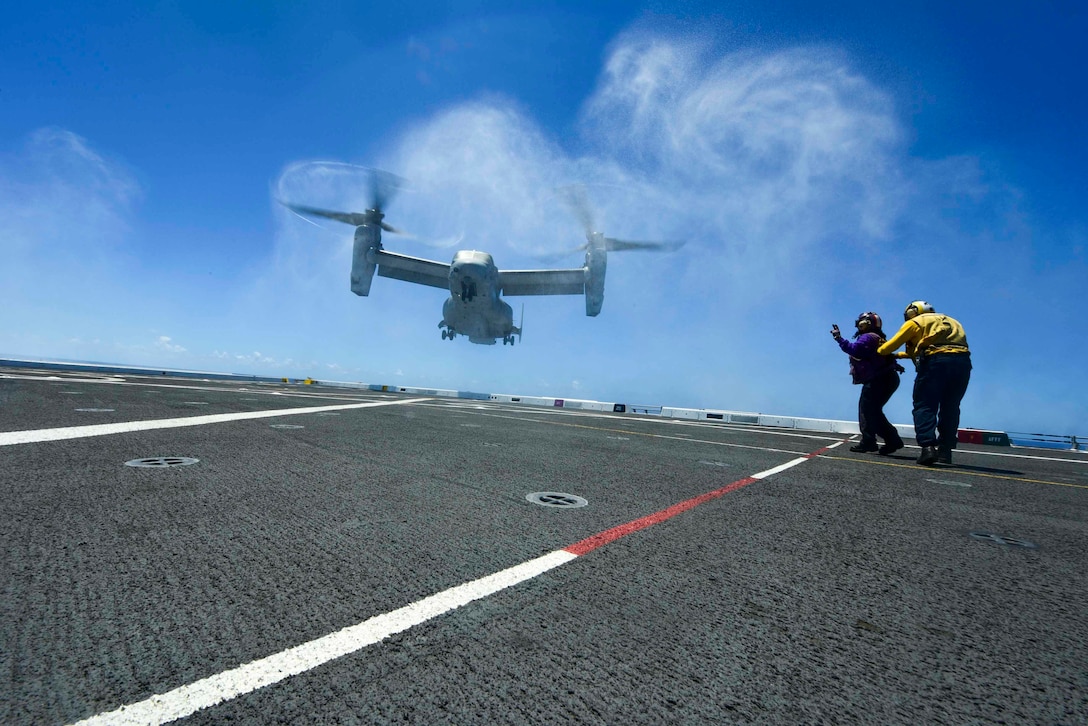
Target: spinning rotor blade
618, 245
353, 218
575, 195
556, 256
383, 186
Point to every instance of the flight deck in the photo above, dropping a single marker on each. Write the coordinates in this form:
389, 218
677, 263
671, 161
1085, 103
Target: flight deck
208, 551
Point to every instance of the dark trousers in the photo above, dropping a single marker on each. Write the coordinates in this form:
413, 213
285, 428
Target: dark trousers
938, 389
871, 418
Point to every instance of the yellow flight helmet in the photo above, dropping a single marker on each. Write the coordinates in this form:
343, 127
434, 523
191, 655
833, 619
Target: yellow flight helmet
917, 308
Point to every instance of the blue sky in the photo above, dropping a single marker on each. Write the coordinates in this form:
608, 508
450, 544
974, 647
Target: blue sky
820, 159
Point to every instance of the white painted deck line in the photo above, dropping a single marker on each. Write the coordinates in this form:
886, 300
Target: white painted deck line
207, 692
780, 467
11, 438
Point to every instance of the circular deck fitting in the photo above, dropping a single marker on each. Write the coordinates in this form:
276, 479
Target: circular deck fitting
286, 426
96, 410
157, 462
556, 499
1002, 540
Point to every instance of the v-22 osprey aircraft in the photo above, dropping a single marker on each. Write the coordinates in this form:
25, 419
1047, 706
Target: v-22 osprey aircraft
475, 308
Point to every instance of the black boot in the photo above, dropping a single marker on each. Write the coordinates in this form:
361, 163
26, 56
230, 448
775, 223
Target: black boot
944, 455
890, 447
928, 457
864, 448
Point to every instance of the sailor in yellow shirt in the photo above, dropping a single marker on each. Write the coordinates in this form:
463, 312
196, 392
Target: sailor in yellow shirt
938, 345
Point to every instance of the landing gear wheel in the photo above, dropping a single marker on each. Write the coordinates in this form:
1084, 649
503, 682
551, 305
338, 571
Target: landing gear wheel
443, 335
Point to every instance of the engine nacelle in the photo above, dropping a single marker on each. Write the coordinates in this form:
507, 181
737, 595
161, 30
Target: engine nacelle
367, 238
596, 264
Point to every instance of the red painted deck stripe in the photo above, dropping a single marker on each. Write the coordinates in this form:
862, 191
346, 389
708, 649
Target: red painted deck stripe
611, 535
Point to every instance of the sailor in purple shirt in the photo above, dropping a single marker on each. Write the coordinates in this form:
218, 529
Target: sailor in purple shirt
878, 376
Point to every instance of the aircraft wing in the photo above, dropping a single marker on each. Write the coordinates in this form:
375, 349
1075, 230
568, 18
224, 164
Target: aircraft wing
543, 282
412, 269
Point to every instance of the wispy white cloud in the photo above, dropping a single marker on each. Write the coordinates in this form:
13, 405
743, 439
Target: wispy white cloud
65, 212
769, 161
165, 343
63, 207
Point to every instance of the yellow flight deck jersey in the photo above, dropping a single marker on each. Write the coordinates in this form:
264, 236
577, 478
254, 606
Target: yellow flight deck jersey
926, 334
